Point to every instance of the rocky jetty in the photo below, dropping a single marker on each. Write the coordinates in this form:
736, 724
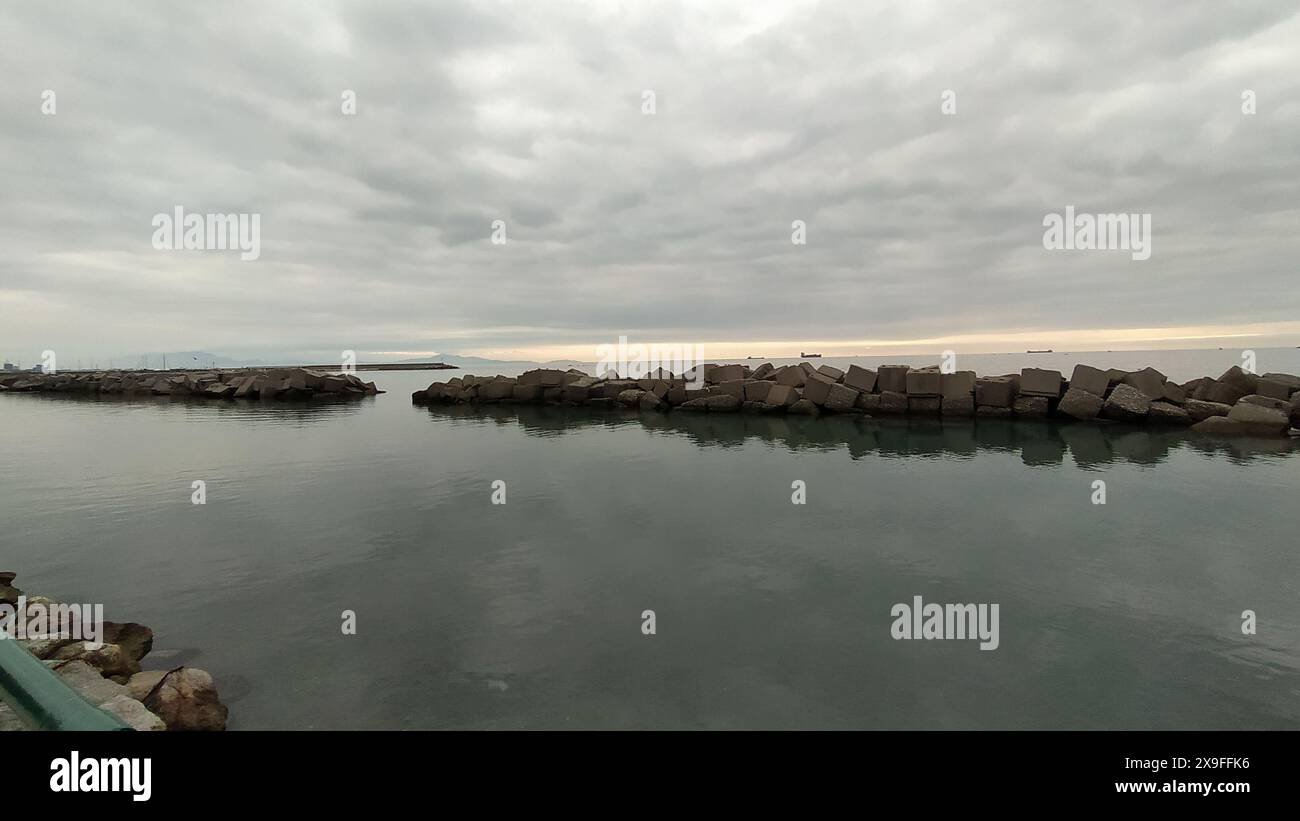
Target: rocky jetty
243, 383
109, 676
1235, 403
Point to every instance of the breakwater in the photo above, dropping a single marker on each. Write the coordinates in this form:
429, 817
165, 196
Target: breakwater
240, 383
1234, 403
106, 671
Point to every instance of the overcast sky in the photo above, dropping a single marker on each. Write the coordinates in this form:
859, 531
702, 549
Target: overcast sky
924, 229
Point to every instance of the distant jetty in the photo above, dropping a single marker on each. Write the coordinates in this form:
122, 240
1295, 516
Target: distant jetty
239, 383
1235, 403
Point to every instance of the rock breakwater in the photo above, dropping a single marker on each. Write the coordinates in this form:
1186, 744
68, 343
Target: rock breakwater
270, 383
1234, 403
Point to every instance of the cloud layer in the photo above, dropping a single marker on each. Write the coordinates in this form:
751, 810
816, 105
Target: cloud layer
676, 226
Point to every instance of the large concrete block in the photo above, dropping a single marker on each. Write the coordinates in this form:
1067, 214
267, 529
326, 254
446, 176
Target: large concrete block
860, 379
841, 398
1040, 382
1200, 410
892, 378
1273, 389
763, 371
576, 393
1174, 394
924, 405
782, 395
526, 392
1080, 403
1031, 406
995, 412
1291, 381
550, 378
1126, 403
757, 390
958, 404
1237, 377
816, 389
995, 391
893, 402
792, 376
1264, 402
1226, 393
734, 387
869, 402
726, 373
499, 389
833, 374
1167, 413
957, 384
1263, 421
1149, 381
924, 383
1090, 379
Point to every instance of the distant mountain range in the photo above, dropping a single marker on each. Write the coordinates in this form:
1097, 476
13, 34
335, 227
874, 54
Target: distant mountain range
208, 359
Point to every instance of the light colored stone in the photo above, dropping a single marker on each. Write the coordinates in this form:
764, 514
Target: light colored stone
1126, 403
134, 714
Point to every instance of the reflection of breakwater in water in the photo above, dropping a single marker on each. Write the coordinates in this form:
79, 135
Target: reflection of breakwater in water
1046, 443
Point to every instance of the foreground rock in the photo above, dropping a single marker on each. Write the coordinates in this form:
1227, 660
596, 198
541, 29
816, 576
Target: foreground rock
1140, 397
263, 384
109, 676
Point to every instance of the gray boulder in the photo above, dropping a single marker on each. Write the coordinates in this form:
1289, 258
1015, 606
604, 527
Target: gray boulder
1199, 410
1126, 403
1080, 403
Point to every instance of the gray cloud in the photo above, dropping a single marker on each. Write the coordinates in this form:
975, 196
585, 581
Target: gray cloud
375, 228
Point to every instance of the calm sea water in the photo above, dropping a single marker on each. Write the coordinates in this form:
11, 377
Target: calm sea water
769, 614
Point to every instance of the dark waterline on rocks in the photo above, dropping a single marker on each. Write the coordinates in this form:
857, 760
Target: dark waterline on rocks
768, 614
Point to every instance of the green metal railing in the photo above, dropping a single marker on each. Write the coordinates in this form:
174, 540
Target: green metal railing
44, 701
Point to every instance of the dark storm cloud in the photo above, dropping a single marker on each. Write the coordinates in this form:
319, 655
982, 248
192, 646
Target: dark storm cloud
376, 227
